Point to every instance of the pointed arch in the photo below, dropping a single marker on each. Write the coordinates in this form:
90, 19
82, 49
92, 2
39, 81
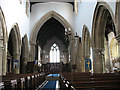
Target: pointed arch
101, 10
14, 48
39, 24
3, 43
103, 17
16, 31
86, 42
46, 17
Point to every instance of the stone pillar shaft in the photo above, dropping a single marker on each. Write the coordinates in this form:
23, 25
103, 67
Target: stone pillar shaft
98, 60
16, 56
108, 62
1, 59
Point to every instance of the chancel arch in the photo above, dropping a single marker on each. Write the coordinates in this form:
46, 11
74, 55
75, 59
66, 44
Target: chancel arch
41, 33
103, 24
86, 47
3, 43
51, 14
86, 42
14, 49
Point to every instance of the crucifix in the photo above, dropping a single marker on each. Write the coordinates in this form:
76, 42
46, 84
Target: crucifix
88, 63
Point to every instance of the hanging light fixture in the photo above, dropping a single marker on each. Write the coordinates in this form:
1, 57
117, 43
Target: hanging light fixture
76, 39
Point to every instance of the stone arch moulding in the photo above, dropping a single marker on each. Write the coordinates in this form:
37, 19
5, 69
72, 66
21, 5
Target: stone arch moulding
104, 6
16, 29
3, 48
117, 18
18, 36
15, 33
101, 13
46, 17
39, 24
86, 42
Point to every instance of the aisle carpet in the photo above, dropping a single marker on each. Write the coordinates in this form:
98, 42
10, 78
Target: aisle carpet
51, 85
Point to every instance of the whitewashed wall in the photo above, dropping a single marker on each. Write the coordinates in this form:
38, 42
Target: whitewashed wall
85, 14
15, 12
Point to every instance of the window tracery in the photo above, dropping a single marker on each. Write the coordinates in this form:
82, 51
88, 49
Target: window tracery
54, 54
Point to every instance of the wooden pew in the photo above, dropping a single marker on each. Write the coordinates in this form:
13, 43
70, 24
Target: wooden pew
2, 85
10, 84
95, 81
23, 81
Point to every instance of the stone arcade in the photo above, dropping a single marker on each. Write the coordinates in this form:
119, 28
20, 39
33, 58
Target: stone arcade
73, 39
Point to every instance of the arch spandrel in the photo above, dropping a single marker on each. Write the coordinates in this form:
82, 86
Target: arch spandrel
101, 8
39, 24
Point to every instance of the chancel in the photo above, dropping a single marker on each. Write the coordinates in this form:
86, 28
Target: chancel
59, 44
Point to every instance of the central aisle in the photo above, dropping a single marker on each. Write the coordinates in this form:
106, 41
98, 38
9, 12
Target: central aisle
52, 83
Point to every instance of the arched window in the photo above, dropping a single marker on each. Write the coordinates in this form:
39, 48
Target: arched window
54, 54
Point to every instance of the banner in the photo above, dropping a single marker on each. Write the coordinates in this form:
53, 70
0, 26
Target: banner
15, 64
88, 65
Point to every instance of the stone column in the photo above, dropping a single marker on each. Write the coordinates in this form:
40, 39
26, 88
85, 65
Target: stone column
108, 62
32, 52
81, 62
98, 60
118, 39
10, 67
1, 60
117, 18
16, 56
5, 61
25, 58
31, 58
118, 24
73, 52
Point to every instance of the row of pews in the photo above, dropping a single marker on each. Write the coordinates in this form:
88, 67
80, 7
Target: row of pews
22, 81
77, 81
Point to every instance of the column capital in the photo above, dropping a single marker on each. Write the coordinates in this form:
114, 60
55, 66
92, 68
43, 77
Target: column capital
86, 56
98, 50
16, 55
2, 48
31, 43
